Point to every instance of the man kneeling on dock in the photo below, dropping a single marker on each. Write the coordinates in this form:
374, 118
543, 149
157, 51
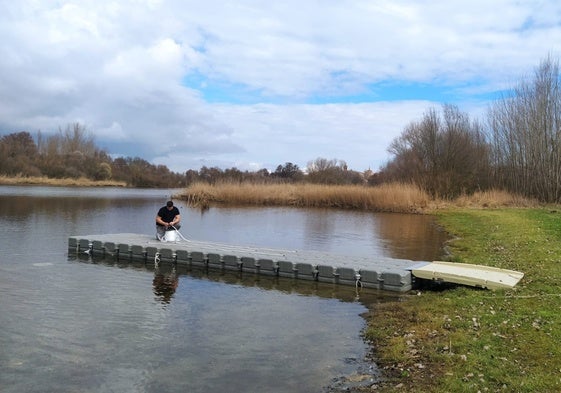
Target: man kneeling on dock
167, 219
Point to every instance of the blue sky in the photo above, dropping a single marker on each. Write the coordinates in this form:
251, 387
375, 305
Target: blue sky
254, 85
386, 91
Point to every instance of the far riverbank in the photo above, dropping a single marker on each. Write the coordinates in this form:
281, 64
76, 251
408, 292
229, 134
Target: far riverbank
66, 182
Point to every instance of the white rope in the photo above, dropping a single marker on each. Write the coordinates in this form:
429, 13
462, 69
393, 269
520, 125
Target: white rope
179, 233
157, 259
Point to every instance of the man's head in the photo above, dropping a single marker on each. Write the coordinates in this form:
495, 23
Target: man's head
169, 204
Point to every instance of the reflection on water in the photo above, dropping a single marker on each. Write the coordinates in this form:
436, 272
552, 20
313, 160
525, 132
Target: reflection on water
73, 323
165, 284
166, 276
410, 236
224, 330
402, 236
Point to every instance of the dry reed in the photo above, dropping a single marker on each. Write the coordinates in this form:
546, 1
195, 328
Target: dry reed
494, 199
43, 180
393, 197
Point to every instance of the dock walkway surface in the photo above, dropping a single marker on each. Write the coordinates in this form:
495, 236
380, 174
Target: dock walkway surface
371, 272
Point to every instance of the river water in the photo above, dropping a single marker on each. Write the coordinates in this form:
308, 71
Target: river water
72, 324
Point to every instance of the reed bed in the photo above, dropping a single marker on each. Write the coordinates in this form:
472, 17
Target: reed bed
46, 181
395, 197
494, 199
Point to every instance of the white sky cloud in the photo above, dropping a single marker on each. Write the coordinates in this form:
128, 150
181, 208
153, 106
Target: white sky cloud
251, 84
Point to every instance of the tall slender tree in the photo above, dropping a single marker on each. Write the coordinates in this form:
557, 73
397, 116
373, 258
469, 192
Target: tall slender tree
525, 130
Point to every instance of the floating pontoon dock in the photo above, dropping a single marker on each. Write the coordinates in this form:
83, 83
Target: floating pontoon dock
380, 273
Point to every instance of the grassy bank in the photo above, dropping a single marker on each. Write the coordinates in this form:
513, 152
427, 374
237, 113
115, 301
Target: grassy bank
469, 340
46, 181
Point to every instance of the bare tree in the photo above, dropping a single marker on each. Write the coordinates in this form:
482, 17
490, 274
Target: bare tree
445, 154
525, 130
18, 155
76, 138
334, 171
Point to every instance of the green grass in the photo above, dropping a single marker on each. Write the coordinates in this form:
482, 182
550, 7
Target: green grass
461, 339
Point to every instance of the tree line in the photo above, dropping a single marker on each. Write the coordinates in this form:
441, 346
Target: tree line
516, 147
72, 153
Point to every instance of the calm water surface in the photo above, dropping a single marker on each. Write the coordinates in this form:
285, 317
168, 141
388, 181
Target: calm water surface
72, 324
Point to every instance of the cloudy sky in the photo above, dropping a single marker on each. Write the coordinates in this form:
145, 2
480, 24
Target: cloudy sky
255, 84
